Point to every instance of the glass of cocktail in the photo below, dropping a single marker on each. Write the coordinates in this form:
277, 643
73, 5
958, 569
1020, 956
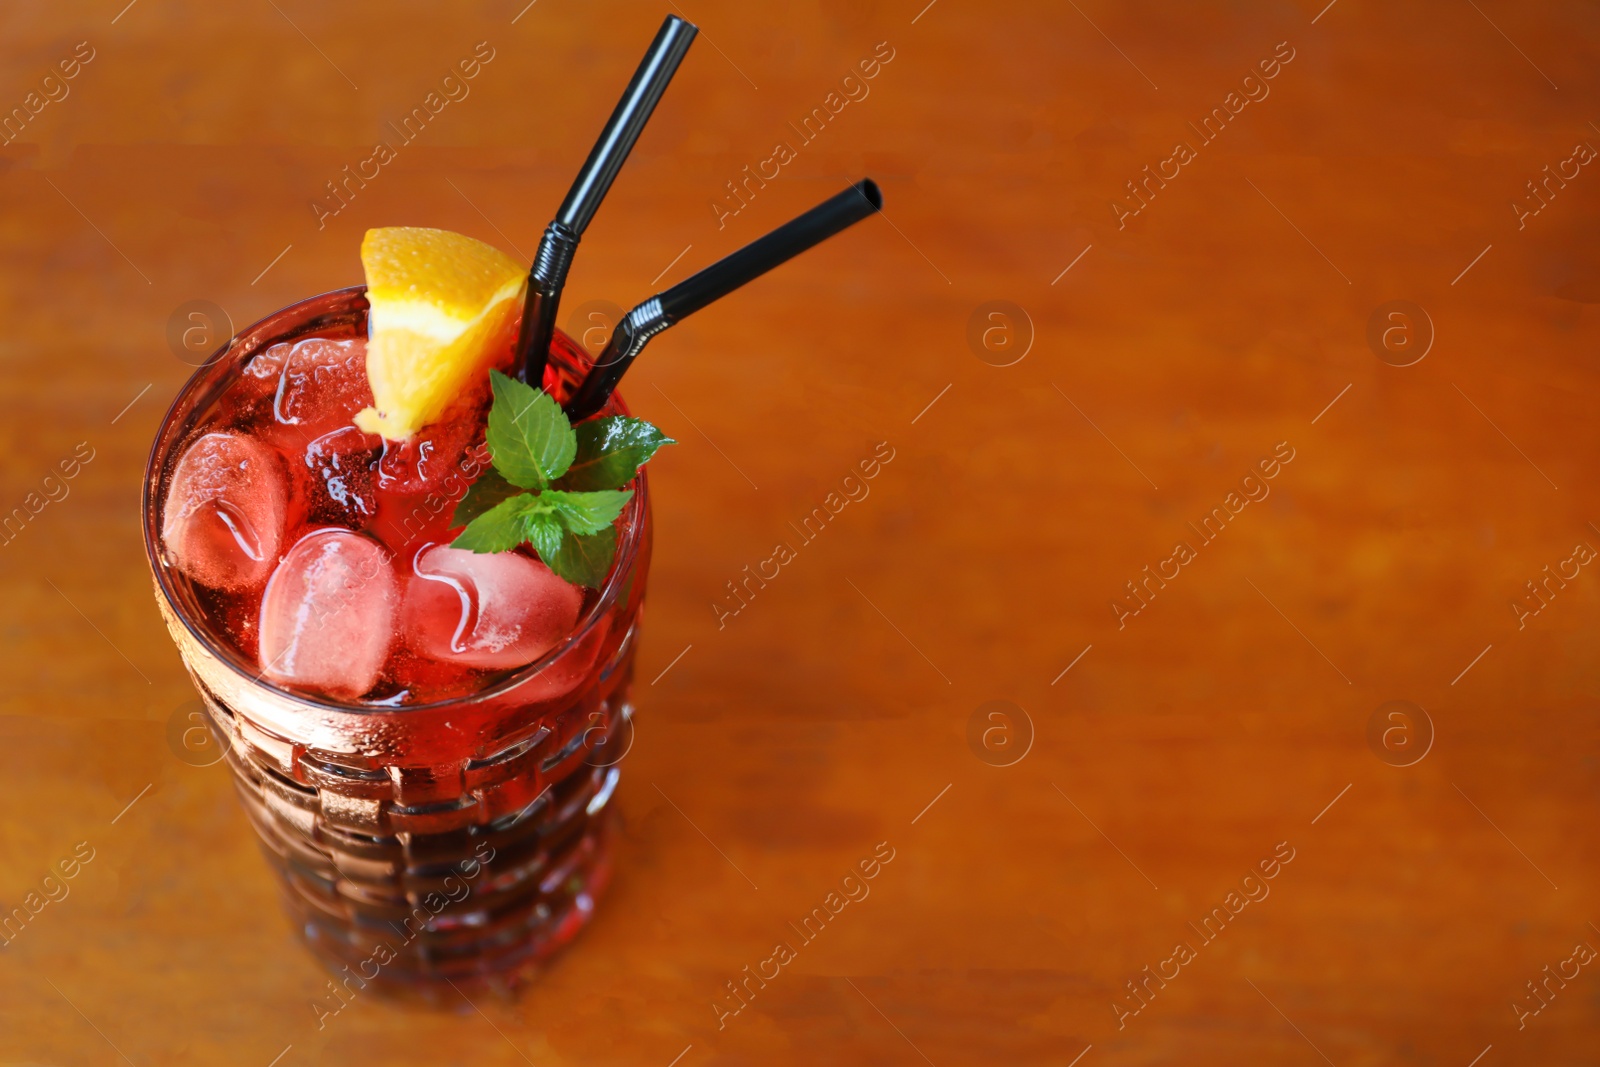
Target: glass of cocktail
424, 737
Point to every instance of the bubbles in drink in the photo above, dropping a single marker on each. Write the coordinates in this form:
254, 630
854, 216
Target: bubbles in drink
496, 610
340, 470
442, 458
327, 619
225, 513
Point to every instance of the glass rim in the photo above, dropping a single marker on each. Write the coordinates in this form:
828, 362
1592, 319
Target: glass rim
257, 336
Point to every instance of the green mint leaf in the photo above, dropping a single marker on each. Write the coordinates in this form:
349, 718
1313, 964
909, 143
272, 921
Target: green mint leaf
500, 529
583, 513
544, 532
484, 494
611, 451
529, 437
533, 445
584, 559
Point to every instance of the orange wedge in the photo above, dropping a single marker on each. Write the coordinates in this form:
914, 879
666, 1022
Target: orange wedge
444, 308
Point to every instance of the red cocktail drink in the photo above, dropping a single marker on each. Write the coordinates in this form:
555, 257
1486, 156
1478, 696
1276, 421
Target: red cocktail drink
424, 737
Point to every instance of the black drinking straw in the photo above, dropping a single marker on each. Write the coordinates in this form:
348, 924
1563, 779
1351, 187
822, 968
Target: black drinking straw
548, 275
713, 283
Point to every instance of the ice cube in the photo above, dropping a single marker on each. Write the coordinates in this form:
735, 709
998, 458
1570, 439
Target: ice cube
322, 385
327, 618
339, 474
494, 610
225, 514
254, 391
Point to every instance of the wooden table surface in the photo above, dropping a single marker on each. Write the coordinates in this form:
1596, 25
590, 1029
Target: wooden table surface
1149, 365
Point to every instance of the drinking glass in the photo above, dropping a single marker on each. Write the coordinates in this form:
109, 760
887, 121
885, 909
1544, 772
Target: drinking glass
465, 839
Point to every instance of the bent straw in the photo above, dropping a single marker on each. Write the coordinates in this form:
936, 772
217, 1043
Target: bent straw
714, 282
548, 275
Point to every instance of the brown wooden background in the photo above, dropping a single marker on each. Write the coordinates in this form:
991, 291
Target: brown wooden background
826, 717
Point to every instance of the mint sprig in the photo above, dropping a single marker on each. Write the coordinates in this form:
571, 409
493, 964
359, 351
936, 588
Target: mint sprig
556, 487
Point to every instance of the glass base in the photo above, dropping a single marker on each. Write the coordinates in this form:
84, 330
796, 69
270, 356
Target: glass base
479, 902
500, 951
